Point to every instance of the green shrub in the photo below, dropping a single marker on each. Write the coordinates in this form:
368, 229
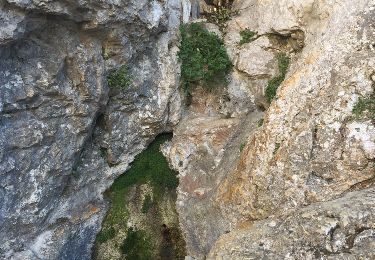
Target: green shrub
365, 107
137, 245
274, 83
203, 56
220, 16
247, 36
120, 78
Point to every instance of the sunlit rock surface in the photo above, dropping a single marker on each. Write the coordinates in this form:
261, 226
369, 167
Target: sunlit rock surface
310, 147
291, 179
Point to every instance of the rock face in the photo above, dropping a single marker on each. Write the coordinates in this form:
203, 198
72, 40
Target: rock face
337, 229
309, 149
64, 136
292, 179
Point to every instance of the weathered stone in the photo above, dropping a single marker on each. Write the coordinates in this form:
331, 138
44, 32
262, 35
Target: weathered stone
338, 229
64, 137
206, 145
297, 185
310, 147
299, 157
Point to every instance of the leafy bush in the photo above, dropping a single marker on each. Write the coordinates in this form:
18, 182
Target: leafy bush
274, 83
247, 36
119, 78
203, 56
365, 107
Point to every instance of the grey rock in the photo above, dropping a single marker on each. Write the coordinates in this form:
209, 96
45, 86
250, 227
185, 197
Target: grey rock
337, 229
64, 136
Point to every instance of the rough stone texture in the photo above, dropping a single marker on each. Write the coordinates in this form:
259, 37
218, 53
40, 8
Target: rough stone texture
338, 229
64, 136
206, 146
310, 147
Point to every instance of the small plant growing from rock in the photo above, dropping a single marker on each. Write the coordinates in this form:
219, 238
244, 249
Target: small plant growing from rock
242, 146
274, 83
220, 16
247, 36
203, 57
365, 107
120, 78
277, 146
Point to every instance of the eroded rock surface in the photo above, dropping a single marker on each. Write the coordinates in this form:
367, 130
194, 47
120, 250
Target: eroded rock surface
64, 135
338, 229
308, 150
310, 147
297, 185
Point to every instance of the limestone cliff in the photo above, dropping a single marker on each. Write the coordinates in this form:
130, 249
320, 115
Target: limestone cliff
308, 148
64, 135
289, 176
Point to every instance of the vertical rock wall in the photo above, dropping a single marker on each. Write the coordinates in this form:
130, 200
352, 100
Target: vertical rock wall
64, 135
309, 148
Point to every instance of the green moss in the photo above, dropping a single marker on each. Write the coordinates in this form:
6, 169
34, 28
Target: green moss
147, 204
242, 146
119, 78
149, 167
365, 107
137, 245
247, 36
105, 235
203, 57
274, 83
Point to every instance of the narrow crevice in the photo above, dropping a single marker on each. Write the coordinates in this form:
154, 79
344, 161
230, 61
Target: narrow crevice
142, 221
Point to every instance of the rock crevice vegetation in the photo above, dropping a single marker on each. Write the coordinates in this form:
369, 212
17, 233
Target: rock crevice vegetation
203, 56
142, 222
283, 63
365, 107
